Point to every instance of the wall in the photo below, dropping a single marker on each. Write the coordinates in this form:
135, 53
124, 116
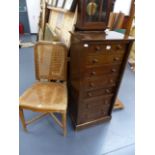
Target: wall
23, 17
33, 8
123, 6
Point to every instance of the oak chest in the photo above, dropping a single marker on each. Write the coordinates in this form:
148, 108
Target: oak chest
97, 63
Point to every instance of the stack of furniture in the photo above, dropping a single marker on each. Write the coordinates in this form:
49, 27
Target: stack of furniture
97, 59
56, 23
42, 21
97, 64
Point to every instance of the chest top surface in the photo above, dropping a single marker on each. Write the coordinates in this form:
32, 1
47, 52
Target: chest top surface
100, 36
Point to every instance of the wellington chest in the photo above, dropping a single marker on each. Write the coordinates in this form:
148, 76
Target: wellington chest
97, 63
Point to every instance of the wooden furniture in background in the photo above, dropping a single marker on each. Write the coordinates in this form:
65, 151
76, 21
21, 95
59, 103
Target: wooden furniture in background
42, 19
122, 21
115, 21
129, 21
132, 53
129, 27
45, 96
58, 21
97, 63
51, 35
63, 21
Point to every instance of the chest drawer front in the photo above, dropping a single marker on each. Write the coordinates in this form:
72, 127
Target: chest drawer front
104, 48
105, 69
94, 61
99, 92
100, 82
89, 116
101, 101
95, 108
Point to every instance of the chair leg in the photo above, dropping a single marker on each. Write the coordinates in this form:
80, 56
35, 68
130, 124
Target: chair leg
21, 113
64, 121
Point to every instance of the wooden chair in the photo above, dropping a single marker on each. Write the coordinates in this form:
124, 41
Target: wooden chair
49, 94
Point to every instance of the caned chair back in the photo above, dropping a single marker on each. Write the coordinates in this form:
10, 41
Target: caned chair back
50, 61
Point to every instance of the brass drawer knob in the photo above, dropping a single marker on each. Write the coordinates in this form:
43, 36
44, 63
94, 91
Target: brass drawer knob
104, 112
111, 81
95, 61
91, 84
93, 73
107, 91
89, 94
118, 47
86, 45
88, 106
114, 70
98, 48
116, 59
106, 102
108, 47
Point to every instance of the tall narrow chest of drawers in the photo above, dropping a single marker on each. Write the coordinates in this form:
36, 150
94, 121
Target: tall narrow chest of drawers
97, 63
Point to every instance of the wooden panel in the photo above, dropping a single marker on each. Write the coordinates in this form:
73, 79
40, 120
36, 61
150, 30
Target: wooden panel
57, 9
94, 61
99, 92
94, 108
64, 21
51, 35
68, 26
100, 82
53, 19
40, 35
100, 101
104, 69
89, 116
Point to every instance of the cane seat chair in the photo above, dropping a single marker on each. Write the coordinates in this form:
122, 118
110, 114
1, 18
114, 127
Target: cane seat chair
49, 94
